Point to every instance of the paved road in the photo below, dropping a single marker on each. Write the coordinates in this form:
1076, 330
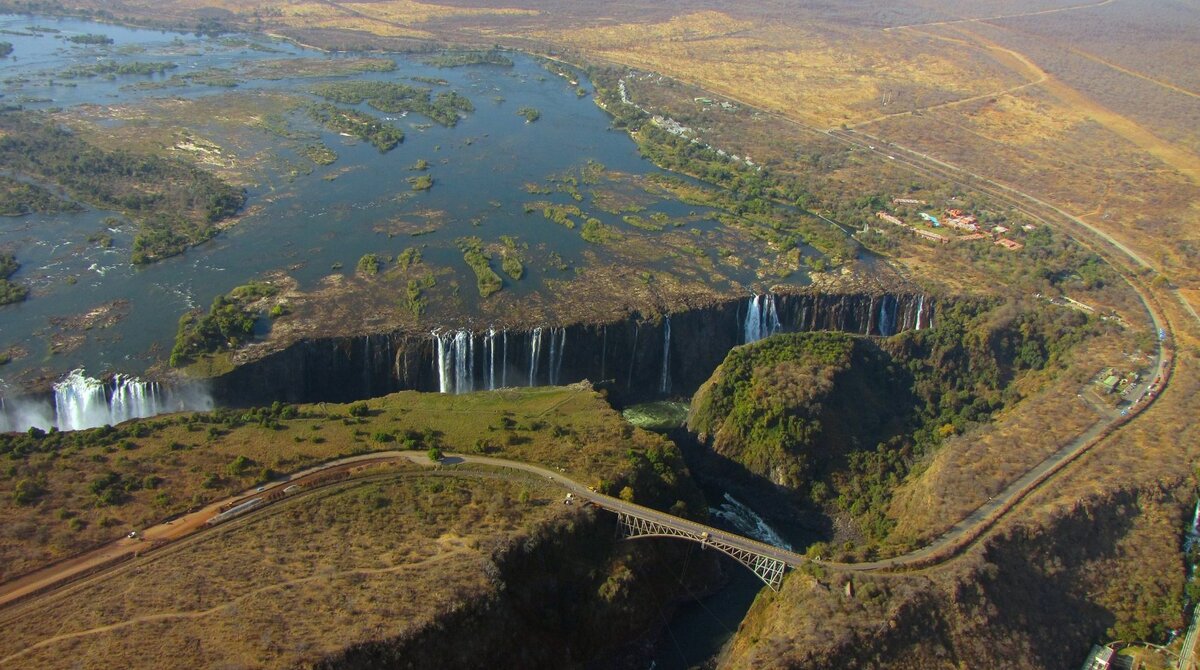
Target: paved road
168, 531
617, 505
960, 534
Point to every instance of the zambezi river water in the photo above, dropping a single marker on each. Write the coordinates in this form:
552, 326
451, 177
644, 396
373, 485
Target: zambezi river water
91, 313
91, 309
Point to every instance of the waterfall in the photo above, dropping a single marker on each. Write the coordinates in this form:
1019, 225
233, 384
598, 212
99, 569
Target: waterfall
81, 402
762, 318
490, 352
464, 362
535, 346
553, 357
557, 347
1194, 531
753, 320
664, 384
920, 310
887, 319
562, 351
442, 364
19, 414
133, 399
455, 361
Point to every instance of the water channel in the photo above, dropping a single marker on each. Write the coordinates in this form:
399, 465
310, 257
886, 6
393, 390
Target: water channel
307, 220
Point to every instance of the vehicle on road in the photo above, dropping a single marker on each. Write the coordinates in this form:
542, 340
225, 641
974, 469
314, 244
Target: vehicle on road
235, 511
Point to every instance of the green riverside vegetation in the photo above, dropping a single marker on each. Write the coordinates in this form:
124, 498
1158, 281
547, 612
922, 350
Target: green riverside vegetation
368, 265
90, 38
228, 324
383, 136
486, 279
17, 198
393, 98
461, 58
10, 292
319, 154
114, 68
176, 205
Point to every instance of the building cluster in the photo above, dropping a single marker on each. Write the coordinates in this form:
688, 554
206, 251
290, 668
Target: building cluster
961, 220
955, 218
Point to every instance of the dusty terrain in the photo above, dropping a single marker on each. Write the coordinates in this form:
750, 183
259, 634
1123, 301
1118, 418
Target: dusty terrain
1090, 108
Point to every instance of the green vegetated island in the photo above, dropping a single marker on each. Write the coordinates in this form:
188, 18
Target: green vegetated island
10, 291
468, 57
383, 136
393, 98
174, 203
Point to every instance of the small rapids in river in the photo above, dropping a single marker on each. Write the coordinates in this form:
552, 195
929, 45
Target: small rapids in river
745, 521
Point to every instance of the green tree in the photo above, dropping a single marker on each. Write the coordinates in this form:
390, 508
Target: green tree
239, 466
27, 491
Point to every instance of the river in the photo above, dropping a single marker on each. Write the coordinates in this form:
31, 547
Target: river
309, 221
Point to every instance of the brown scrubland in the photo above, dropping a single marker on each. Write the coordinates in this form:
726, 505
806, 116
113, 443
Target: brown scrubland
1092, 108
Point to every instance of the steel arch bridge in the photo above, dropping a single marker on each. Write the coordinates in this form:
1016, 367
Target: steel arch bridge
770, 570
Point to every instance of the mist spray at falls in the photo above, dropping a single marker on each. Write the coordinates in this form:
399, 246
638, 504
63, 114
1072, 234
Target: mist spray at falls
80, 402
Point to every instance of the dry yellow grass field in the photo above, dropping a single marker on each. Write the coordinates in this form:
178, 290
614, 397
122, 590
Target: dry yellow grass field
967, 471
1107, 86
362, 561
569, 428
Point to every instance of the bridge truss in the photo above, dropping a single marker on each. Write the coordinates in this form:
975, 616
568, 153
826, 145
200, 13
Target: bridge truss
770, 570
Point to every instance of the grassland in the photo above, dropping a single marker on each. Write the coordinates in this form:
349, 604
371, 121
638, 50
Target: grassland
1086, 106
64, 492
362, 562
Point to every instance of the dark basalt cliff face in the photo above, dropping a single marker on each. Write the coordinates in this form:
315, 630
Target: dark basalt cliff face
568, 595
635, 359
